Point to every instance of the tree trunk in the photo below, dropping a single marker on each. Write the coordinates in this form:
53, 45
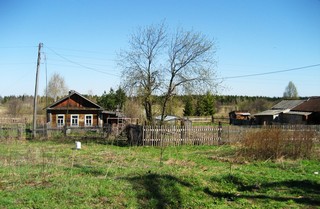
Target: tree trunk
148, 109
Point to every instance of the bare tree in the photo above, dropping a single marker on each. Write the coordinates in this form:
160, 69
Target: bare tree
15, 107
291, 91
141, 74
56, 87
155, 64
190, 65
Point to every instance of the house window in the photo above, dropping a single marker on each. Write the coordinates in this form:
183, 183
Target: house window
88, 120
60, 120
74, 120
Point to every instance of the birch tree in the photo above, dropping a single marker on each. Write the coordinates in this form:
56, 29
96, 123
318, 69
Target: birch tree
56, 87
291, 91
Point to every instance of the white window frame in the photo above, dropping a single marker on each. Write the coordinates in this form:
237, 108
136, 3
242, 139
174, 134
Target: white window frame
71, 120
59, 119
91, 120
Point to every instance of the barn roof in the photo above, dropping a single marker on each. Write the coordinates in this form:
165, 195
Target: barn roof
269, 112
311, 105
74, 94
244, 113
287, 104
298, 113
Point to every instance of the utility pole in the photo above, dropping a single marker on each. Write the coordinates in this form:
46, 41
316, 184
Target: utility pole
34, 130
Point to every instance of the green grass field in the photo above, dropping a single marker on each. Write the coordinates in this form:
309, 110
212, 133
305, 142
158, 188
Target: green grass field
55, 175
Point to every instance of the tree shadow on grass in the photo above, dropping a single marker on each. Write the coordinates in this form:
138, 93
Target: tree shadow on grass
300, 191
158, 191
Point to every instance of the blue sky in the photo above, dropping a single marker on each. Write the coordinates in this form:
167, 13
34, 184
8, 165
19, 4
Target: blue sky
82, 38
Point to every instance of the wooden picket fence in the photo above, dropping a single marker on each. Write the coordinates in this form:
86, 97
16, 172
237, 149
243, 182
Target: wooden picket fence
177, 135
10, 120
209, 135
12, 131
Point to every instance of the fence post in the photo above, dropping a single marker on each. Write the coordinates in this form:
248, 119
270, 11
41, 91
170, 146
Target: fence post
142, 134
182, 134
20, 133
219, 133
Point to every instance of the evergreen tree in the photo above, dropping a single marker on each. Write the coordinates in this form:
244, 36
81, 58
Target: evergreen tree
208, 104
108, 100
199, 107
113, 100
120, 98
205, 105
188, 108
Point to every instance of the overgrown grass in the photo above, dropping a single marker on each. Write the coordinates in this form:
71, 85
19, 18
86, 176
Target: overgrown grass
54, 175
275, 143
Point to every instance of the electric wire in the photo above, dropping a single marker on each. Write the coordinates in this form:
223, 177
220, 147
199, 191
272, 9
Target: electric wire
78, 56
58, 61
16, 47
45, 62
80, 50
271, 72
222, 78
84, 65
81, 65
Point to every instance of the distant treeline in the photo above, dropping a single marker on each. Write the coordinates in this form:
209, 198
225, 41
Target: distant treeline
186, 105
221, 99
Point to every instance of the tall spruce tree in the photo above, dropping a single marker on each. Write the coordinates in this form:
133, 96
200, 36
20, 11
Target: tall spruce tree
188, 107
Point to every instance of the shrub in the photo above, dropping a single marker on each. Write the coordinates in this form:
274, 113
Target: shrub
275, 143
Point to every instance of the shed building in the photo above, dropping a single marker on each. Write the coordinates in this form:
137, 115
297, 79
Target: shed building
274, 115
310, 110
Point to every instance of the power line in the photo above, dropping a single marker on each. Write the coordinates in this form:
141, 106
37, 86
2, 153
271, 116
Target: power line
80, 50
16, 47
271, 72
17, 63
91, 58
60, 61
222, 78
81, 65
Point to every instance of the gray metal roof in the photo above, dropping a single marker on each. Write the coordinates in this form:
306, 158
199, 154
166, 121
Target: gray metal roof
269, 112
168, 118
287, 104
298, 113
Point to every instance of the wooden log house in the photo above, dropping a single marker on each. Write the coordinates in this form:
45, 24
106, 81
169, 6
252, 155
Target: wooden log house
75, 111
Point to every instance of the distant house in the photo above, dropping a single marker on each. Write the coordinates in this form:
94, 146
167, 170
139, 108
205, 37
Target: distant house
239, 118
78, 112
74, 110
307, 112
274, 115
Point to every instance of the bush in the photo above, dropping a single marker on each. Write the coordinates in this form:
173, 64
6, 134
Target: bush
275, 143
